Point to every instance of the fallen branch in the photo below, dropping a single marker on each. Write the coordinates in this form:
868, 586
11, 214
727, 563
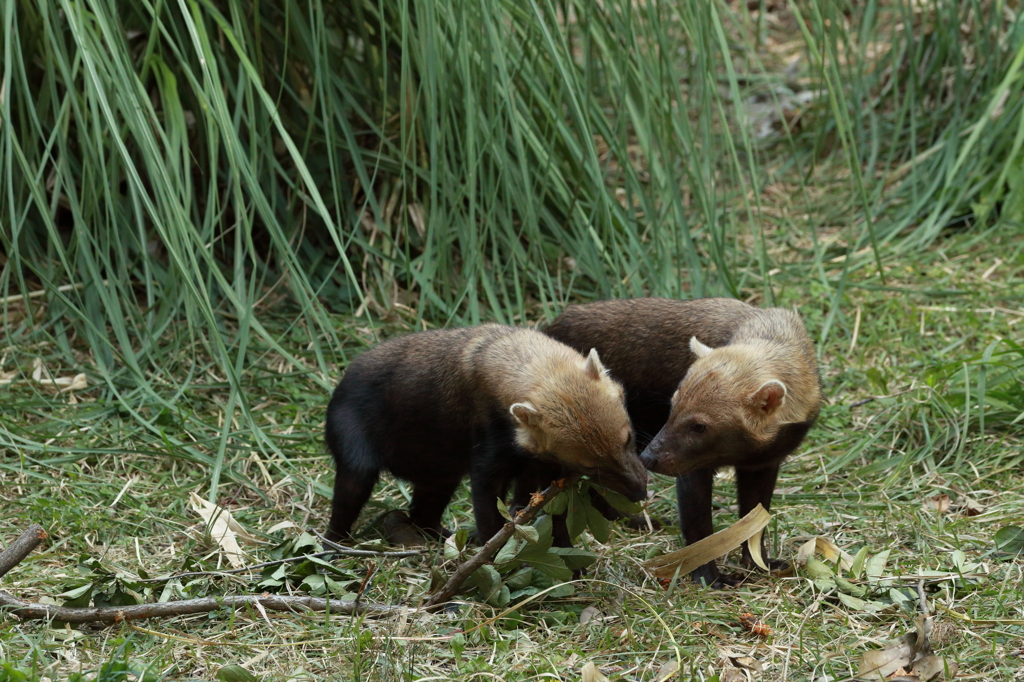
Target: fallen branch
21, 548
118, 614
30, 539
523, 517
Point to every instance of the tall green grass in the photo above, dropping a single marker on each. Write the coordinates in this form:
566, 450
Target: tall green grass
934, 123
189, 188
177, 160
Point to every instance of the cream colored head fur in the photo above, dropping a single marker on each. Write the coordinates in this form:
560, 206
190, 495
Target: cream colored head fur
575, 414
766, 387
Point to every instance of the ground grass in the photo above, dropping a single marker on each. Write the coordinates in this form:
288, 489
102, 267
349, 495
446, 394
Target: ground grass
885, 214
862, 480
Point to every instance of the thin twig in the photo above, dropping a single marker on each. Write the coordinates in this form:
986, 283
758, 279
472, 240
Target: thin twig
21, 548
348, 551
117, 614
466, 568
371, 571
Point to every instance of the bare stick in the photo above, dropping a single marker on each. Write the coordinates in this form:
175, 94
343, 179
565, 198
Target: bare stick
349, 551
117, 614
16, 552
523, 516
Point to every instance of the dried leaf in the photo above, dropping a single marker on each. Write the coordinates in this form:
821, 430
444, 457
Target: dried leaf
929, 667
754, 546
827, 549
416, 216
666, 671
590, 673
939, 503
263, 612
969, 506
43, 376
7, 377
806, 551
911, 652
711, 547
748, 663
832, 553
281, 526
223, 529
884, 662
921, 642
588, 614
752, 624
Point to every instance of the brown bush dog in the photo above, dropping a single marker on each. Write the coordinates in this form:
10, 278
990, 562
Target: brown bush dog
492, 402
709, 383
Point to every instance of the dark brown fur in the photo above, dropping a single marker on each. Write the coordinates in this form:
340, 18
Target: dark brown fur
490, 402
748, 403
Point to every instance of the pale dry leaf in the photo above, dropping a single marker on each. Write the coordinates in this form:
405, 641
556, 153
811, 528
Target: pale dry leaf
748, 663
416, 216
588, 614
7, 377
832, 553
911, 652
754, 546
920, 639
755, 625
263, 612
710, 548
666, 671
969, 506
732, 675
43, 376
806, 551
37, 369
590, 673
884, 662
926, 665
939, 503
930, 667
223, 529
76, 383
281, 526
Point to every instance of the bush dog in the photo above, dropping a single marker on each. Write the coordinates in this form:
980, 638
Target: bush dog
709, 383
493, 402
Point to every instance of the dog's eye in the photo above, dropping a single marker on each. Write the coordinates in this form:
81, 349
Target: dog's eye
697, 427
